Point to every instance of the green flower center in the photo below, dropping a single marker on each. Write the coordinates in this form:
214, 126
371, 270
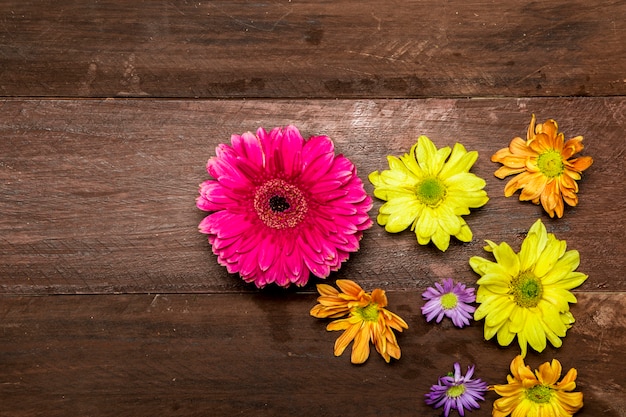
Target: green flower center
455, 391
550, 163
539, 394
526, 289
431, 191
449, 300
369, 312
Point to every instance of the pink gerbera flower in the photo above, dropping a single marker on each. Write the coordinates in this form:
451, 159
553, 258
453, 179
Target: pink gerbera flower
283, 207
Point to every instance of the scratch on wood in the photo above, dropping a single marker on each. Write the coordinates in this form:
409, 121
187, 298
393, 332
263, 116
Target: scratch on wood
251, 25
379, 20
154, 300
524, 78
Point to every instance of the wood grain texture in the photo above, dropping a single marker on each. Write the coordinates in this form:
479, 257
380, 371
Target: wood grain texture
312, 48
98, 196
263, 355
112, 303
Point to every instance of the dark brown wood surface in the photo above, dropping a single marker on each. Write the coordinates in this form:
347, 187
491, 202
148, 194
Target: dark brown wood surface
283, 48
262, 355
112, 303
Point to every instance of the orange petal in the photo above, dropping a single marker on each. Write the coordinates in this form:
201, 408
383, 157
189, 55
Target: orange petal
505, 171
379, 297
572, 146
350, 288
531, 128
533, 187
346, 337
581, 164
361, 347
551, 199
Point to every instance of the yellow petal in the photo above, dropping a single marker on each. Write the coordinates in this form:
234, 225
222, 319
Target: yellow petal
534, 333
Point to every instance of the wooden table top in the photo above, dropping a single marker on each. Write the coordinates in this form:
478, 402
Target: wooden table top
112, 303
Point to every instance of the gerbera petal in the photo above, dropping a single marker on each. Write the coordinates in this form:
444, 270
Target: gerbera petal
290, 150
249, 148
272, 189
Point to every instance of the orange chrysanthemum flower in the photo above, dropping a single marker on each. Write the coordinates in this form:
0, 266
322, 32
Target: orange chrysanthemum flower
368, 320
545, 172
333, 304
537, 394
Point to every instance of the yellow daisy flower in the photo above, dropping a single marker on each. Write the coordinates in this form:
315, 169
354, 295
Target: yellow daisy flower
526, 294
537, 394
545, 172
368, 320
429, 189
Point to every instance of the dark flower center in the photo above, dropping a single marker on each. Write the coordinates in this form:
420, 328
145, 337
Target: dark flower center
279, 203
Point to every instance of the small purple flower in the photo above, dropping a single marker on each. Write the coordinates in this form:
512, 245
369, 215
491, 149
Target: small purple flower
450, 300
457, 392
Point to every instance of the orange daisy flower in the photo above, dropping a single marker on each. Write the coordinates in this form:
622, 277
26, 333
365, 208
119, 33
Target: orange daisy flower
368, 320
545, 172
333, 304
537, 394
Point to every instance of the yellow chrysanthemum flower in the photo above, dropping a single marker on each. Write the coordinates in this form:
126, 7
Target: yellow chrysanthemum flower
526, 294
429, 189
368, 320
545, 172
537, 394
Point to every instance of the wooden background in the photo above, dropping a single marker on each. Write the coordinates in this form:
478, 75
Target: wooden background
111, 302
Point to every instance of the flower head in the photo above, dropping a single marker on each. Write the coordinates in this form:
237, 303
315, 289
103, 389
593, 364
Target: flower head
457, 392
429, 190
526, 294
545, 172
450, 300
537, 394
367, 320
282, 207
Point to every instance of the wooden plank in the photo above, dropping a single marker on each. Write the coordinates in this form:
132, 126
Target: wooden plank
262, 354
311, 48
98, 196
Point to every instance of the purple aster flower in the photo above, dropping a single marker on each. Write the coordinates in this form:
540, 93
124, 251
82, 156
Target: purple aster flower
450, 300
457, 392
